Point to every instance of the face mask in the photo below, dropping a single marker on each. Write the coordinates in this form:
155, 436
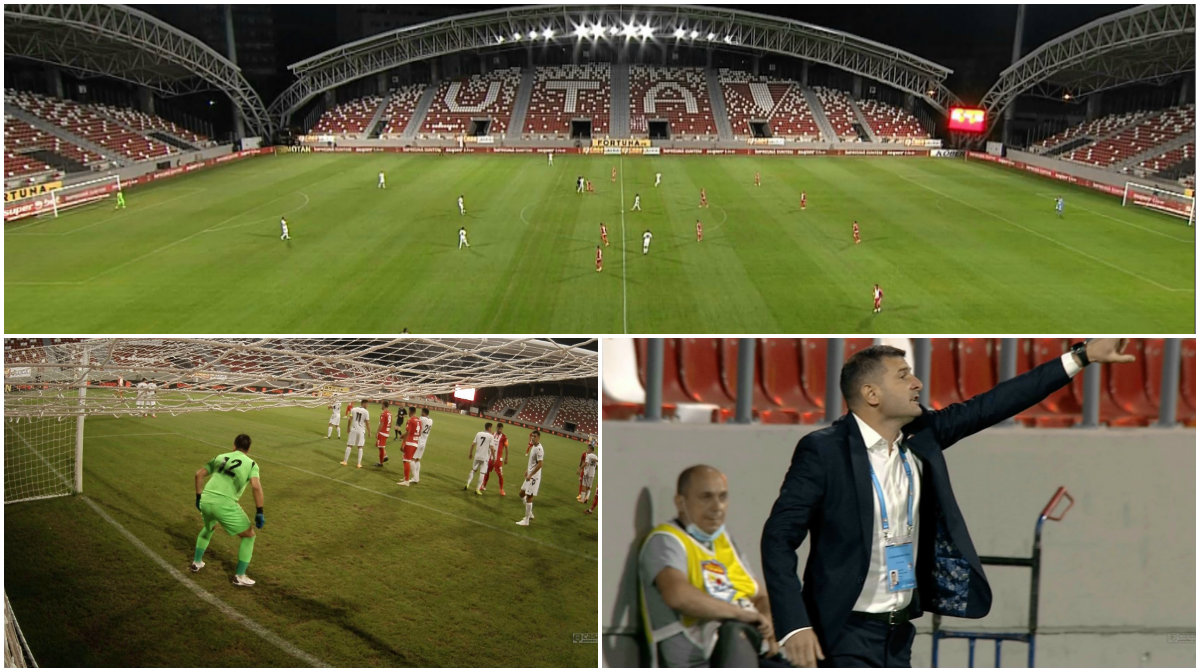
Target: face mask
701, 535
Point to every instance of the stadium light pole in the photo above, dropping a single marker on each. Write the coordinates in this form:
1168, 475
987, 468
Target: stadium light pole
745, 381
1168, 394
654, 380
834, 354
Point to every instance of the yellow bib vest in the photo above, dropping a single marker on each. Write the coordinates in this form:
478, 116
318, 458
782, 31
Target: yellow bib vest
719, 573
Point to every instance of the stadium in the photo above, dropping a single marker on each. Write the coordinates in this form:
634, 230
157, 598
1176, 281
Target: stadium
1072, 505
255, 169
102, 437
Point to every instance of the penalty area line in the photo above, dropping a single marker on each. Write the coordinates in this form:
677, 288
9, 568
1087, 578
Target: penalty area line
233, 614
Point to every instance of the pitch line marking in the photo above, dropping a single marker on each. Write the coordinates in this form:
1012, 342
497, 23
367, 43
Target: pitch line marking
214, 228
409, 501
233, 614
1115, 219
1048, 238
17, 232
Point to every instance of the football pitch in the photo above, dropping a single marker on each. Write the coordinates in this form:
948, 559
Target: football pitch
351, 569
957, 247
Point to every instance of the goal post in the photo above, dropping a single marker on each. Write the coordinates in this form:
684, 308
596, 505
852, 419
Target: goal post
84, 193
53, 385
1180, 204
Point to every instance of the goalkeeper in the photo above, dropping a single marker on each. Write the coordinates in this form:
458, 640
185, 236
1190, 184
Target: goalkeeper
120, 200
218, 503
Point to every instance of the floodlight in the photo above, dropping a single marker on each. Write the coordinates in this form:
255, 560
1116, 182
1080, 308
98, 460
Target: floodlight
548, 33
679, 32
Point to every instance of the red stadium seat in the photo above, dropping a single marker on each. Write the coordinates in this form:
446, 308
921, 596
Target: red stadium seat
1110, 412
976, 365
620, 410
1187, 380
700, 370
1127, 385
1061, 408
780, 365
813, 353
762, 405
672, 392
943, 373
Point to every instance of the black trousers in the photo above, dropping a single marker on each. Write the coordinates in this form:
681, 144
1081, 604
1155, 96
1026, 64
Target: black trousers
868, 643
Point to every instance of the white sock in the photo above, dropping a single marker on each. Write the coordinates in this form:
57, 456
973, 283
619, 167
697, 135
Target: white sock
360, 456
470, 476
586, 494
339, 432
416, 471
329, 432
528, 510
347, 457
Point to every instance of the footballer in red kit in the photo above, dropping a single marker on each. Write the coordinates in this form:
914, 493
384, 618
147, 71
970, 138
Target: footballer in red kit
878, 295
614, 174
857, 240
803, 200
703, 199
604, 233
412, 433
757, 179
599, 259
385, 426
498, 459
699, 231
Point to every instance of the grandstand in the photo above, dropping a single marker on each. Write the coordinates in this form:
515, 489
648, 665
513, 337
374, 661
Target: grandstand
479, 105
564, 94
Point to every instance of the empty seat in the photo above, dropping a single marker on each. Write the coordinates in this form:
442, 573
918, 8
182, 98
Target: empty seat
781, 376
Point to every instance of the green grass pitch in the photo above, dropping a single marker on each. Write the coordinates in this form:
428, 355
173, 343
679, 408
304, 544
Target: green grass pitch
352, 569
957, 246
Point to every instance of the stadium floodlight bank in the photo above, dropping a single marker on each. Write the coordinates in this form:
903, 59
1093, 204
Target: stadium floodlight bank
48, 387
1175, 203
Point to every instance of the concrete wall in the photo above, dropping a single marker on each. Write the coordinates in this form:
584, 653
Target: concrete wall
1118, 573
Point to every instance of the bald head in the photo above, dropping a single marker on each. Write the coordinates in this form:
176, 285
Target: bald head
701, 497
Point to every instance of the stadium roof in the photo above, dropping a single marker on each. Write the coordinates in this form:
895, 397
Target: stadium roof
696, 25
117, 41
1150, 43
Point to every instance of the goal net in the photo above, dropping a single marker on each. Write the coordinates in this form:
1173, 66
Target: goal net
51, 388
1175, 203
62, 199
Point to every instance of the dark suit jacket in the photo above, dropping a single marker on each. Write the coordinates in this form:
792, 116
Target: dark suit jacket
827, 493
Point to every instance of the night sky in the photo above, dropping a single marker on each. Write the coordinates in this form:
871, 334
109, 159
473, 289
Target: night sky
974, 41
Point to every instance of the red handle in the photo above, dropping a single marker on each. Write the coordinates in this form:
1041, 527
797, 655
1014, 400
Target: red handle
1059, 494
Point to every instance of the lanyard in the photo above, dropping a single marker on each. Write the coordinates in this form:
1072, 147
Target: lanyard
879, 491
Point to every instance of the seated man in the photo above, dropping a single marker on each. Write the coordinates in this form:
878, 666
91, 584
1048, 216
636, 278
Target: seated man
700, 604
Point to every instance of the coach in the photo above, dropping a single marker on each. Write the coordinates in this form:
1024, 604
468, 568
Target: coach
873, 490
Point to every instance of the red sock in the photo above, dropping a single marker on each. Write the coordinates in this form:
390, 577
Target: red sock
382, 454
407, 465
595, 501
485, 477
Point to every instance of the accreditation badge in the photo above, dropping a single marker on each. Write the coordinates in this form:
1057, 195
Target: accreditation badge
901, 575
716, 580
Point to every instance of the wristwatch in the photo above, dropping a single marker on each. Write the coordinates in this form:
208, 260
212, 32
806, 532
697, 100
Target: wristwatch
1079, 351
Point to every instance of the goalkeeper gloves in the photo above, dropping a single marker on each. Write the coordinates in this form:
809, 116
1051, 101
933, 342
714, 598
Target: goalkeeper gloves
259, 521
197, 501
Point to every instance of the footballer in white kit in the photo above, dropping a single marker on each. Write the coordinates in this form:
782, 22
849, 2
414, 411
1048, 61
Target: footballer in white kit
151, 401
657, 179
357, 436
637, 202
481, 455
426, 425
462, 210
283, 228
533, 476
462, 237
382, 184
590, 461
335, 419
646, 241
141, 394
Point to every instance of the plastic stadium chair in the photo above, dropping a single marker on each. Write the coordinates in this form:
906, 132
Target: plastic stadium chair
943, 373
1127, 385
779, 361
976, 358
700, 373
672, 392
812, 369
762, 406
1110, 413
1187, 380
